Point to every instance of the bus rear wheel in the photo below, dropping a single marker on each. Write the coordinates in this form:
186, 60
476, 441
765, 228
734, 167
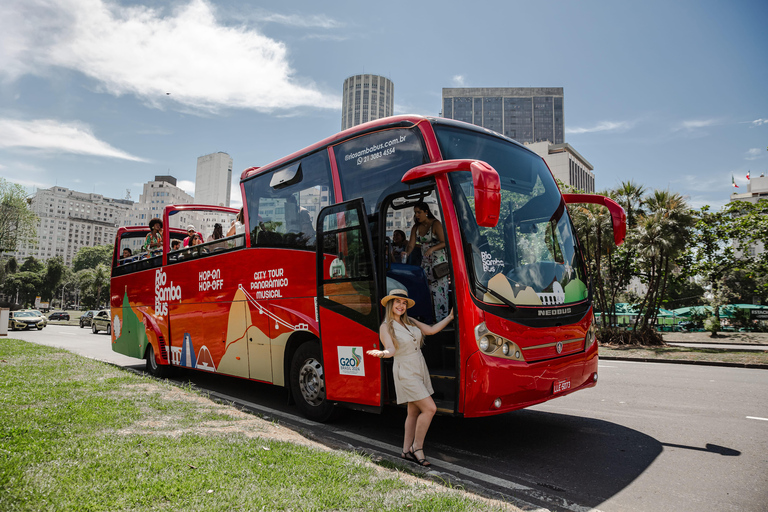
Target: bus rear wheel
308, 383
157, 370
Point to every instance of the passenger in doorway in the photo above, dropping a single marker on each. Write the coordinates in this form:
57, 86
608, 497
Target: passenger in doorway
399, 245
428, 232
403, 338
153, 243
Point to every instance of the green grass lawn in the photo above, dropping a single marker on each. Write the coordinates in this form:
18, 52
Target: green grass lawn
77, 434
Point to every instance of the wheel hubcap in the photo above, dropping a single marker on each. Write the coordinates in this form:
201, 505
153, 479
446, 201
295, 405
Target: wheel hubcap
312, 382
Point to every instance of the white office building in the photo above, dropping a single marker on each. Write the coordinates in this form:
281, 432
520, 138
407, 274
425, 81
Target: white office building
70, 220
213, 181
567, 164
757, 189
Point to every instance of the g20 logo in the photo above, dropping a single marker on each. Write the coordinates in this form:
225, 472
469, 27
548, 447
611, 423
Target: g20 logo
350, 362
353, 361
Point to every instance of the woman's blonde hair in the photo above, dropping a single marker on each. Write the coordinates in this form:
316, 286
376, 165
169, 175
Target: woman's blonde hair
389, 319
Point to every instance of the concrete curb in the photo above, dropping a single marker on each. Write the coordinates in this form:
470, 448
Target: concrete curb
756, 366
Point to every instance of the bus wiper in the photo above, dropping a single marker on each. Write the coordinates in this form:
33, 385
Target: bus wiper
496, 294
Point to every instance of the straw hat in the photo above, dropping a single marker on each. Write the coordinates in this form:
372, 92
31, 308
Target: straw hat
397, 293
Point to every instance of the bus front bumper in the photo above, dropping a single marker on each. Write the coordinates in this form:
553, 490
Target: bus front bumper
496, 386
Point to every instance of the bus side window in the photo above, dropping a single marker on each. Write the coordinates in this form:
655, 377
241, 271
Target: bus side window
283, 205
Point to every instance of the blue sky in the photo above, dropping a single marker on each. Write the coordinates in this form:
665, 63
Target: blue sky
101, 96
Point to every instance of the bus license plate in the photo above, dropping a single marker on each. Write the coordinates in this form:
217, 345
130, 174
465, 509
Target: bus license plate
561, 386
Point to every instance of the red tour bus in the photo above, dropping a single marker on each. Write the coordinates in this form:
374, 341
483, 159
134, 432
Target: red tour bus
293, 300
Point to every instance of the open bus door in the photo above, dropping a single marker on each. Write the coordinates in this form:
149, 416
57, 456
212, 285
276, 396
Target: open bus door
347, 304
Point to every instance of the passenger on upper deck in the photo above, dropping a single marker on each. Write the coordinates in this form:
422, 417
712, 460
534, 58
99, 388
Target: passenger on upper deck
153, 243
238, 225
127, 256
217, 235
192, 232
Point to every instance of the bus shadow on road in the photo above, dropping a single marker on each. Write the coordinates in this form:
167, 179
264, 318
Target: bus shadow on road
586, 460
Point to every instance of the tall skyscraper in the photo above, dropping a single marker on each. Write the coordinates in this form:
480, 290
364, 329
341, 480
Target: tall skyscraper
525, 114
365, 98
214, 179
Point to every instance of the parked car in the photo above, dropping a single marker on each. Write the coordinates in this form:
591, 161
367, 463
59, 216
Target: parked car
39, 313
25, 320
102, 321
59, 315
87, 318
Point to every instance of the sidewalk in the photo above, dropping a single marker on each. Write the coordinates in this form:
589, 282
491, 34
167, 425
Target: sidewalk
723, 338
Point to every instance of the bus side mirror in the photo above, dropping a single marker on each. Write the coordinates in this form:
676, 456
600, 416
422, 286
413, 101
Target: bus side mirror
618, 217
485, 181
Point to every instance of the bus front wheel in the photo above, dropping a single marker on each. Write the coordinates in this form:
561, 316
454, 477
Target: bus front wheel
308, 383
157, 370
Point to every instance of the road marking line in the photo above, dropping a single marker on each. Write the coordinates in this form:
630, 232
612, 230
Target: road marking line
756, 418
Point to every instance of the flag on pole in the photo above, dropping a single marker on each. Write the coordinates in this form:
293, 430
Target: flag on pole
733, 182
748, 174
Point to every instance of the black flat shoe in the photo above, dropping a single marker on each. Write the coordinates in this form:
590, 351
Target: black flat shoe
421, 462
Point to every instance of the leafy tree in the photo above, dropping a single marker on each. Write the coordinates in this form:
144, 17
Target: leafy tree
52, 277
94, 286
682, 292
24, 285
11, 266
91, 257
32, 264
18, 224
714, 253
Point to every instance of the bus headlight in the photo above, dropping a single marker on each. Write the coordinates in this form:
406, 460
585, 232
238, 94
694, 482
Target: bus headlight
505, 349
487, 344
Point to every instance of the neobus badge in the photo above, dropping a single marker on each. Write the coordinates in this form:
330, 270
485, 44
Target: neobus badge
554, 312
351, 361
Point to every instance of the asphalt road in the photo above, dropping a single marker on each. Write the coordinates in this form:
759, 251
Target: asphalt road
649, 437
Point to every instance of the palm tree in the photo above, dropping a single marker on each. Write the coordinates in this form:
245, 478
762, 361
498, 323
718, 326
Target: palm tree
663, 232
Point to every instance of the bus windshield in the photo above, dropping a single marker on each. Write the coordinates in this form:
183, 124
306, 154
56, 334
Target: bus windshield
531, 257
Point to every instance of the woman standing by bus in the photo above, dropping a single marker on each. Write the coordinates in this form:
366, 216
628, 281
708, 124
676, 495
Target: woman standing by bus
402, 338
428, 232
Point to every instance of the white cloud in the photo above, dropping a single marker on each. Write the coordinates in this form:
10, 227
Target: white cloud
753, 154
603, 126
695, 124
187, 186
148, 52
458, 80
56, 136
760, 122
296, 20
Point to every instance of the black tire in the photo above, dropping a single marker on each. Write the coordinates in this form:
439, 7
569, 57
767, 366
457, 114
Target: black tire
158, 370
308, 383
81, 324
94, 329
109, 328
